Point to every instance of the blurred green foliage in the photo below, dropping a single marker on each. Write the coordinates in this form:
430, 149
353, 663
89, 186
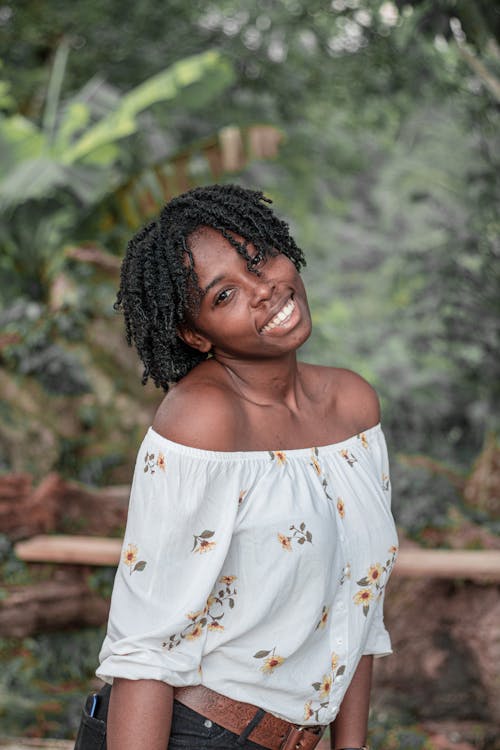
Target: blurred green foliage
44, 680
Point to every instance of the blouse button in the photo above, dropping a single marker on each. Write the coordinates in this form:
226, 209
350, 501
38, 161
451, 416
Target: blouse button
339, 641
207, 723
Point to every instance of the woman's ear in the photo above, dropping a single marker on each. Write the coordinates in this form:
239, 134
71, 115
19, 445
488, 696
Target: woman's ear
194, 339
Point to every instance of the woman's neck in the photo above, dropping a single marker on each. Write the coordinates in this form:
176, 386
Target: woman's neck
266, 383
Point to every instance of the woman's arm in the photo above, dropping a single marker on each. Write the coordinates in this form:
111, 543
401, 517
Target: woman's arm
140, 714
350, 727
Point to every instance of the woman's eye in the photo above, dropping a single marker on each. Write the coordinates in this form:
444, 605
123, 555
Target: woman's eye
223, 296
257, 259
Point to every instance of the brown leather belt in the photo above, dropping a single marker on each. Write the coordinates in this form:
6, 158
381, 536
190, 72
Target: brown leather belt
270, 732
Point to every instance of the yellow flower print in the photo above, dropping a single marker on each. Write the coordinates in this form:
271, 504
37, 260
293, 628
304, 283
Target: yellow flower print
308, 711
130, 557
385, 482
194, 632
374, 572
201, 543
317, 468
349, 457
373, 576
280, 457
242, 496
215, 626
325, 686
340, 507
205, 546
285, 542
300, 535
323, 619
271, 660
315, 462
227, 580
393, 550
130, 554
364, 441
151, 461
271, 663
363, 597
195, 615
209, 616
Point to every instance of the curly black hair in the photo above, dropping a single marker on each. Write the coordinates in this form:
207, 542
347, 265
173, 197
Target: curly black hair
158, 283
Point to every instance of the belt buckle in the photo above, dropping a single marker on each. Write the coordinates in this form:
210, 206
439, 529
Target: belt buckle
300, 739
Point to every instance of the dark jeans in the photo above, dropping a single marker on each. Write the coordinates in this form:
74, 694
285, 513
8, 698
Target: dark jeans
192, 731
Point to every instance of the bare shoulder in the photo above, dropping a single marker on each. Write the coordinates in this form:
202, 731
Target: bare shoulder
357, 399
350, 398
199, 413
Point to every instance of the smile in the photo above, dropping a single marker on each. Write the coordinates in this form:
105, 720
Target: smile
281, 318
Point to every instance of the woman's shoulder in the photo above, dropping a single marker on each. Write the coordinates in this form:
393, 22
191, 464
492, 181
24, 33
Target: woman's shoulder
351, 398
199, 411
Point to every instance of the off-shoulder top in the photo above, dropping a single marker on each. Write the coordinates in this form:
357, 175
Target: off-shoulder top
259, 574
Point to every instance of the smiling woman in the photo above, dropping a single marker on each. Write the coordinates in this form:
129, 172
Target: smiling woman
268, 507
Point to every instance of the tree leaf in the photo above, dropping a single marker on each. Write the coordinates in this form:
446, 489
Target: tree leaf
209, 71
206, 534
261, 654
140, 565
316, 685
340, 670
363, 582
231, 603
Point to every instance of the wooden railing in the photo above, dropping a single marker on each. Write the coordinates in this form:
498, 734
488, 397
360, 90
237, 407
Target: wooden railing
411, 562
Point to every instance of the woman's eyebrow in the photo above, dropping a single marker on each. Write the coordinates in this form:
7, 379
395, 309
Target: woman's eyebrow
212, 283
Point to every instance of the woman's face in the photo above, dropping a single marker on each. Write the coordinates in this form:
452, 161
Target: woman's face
243, 314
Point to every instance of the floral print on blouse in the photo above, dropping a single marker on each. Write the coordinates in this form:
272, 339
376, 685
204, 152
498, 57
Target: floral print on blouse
260, 574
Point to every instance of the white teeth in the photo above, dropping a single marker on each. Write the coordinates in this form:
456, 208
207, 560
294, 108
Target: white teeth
281, 316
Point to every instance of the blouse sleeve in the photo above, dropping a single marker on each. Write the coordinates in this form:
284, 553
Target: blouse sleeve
180, 522
378, 641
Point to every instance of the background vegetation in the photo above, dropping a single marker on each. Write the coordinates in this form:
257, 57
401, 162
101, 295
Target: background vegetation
386, 171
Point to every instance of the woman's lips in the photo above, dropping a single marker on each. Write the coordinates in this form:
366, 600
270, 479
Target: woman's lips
282, 317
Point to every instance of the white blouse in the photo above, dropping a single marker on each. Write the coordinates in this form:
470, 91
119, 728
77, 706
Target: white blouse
258, 574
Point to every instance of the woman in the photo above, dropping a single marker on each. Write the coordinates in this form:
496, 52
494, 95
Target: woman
247, 606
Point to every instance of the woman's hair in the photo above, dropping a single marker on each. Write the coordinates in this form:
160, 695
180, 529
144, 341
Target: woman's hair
158, 283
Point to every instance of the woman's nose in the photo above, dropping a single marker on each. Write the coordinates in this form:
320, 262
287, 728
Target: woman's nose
262, 290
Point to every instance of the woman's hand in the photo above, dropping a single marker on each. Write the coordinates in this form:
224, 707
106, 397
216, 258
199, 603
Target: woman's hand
140, 714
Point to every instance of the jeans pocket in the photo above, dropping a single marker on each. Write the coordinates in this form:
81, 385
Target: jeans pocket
91, 734
193, 731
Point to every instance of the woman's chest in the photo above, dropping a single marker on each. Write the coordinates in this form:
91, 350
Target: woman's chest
315, 510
